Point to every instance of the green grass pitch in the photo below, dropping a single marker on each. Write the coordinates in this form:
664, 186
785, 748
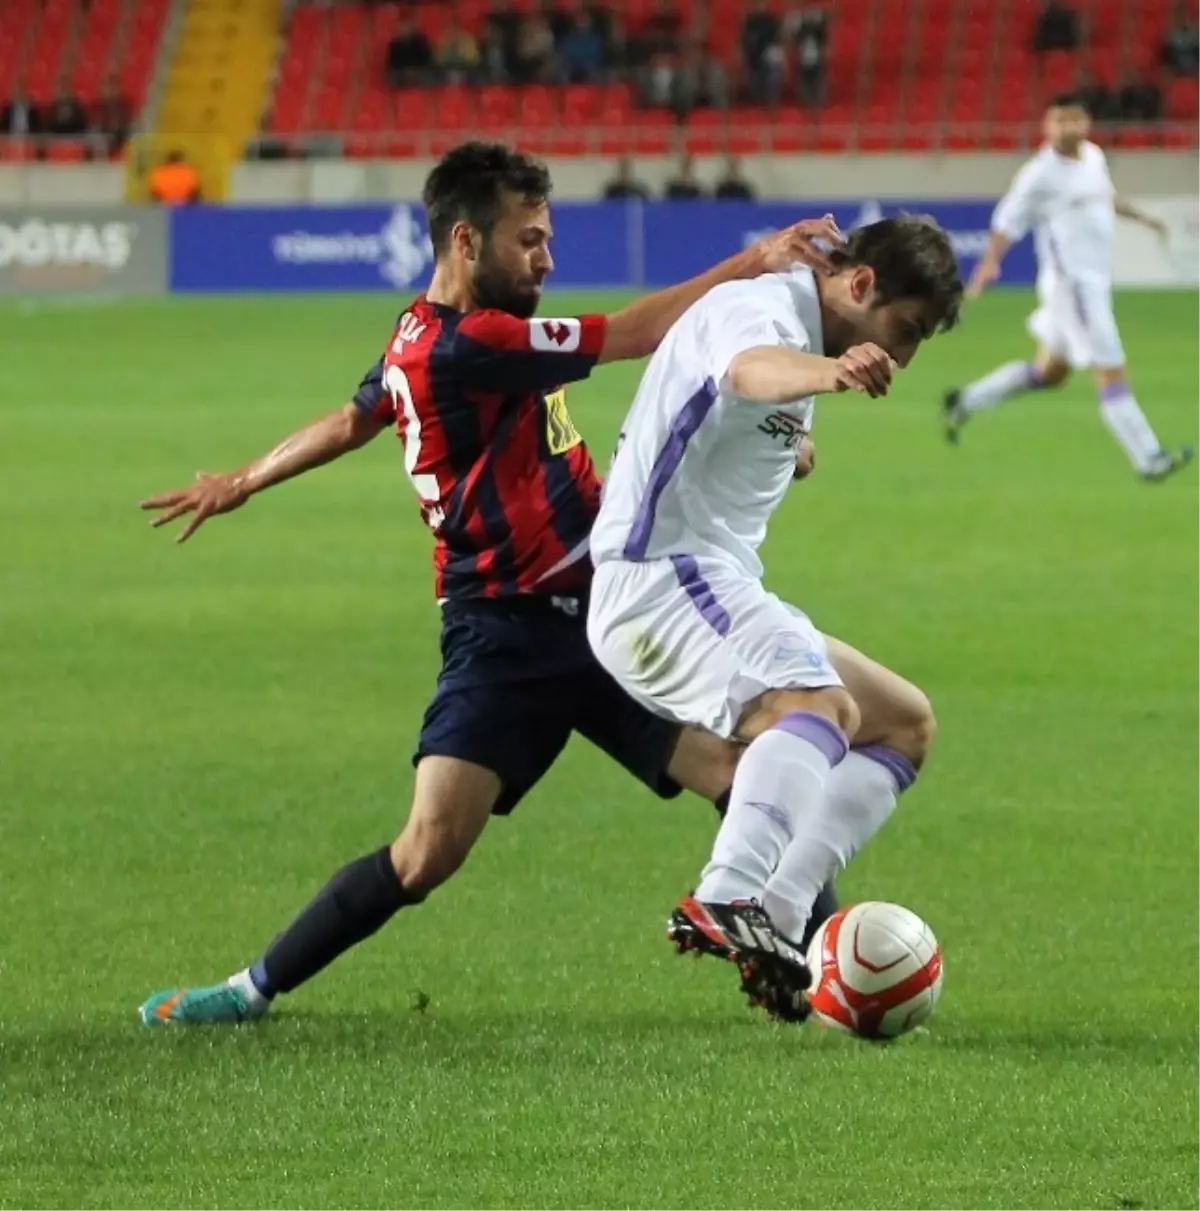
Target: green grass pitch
192, 740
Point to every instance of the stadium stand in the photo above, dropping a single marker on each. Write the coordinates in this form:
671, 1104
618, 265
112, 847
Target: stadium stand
100, 54
908, 75
903, 75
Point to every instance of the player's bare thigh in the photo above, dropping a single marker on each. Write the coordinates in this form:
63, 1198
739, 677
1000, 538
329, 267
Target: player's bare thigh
703, 763
452, 801
892, 710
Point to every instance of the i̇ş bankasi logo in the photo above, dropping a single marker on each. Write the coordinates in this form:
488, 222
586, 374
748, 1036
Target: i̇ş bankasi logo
400, 250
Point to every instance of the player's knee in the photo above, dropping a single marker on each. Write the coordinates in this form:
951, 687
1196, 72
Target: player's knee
1053, 373
428, 852
832, 702
916, 728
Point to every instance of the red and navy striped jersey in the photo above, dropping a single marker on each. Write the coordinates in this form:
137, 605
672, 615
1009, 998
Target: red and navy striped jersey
504, 480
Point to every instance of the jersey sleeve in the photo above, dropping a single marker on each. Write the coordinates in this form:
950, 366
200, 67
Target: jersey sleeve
495, 351
1018, 210
743, 316
371, 397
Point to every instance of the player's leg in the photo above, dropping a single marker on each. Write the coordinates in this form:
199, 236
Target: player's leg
700, 646
1125, 420
710, 648
667, 757
452, 800
1099, 346
1047, 369
481, 749
895, 733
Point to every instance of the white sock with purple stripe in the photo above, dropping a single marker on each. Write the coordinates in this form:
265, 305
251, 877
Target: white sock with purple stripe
859, 797
1128, 424
779, 784
1007, 380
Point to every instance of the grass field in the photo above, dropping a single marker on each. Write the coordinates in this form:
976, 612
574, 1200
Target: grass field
192, 740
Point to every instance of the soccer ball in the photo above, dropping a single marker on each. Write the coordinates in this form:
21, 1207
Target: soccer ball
876, 969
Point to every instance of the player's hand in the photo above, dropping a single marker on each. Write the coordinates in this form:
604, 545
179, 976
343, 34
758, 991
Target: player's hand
985, 273
808, 242
208, 496
866, 369
1159, 228
806, 459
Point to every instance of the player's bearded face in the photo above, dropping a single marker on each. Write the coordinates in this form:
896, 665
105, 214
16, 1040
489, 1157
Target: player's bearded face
512, 262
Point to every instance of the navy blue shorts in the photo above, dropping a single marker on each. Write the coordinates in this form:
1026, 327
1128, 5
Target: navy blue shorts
518, 677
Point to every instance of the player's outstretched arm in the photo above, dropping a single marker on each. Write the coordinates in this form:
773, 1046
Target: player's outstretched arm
637, 330
775, 374
987, 269
1125, 209
321, 442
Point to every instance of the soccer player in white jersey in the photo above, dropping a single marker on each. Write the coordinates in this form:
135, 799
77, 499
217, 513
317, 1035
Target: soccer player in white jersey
1066, 197
678, 612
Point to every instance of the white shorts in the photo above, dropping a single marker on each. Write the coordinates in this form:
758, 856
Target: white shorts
1075, 321
698, 640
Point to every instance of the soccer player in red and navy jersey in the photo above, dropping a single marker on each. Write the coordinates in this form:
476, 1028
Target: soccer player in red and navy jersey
473, 384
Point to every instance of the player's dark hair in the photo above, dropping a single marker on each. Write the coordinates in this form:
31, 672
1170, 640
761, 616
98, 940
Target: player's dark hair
1069, 100
912, 258
469, 183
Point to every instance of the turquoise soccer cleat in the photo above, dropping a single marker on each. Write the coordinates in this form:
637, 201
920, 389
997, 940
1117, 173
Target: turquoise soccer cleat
219, 1004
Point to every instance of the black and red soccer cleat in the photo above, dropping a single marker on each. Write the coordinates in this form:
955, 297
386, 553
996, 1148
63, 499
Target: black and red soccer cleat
774, 974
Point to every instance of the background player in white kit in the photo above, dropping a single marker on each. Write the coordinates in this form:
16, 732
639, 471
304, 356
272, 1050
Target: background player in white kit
680, 617
1065, 195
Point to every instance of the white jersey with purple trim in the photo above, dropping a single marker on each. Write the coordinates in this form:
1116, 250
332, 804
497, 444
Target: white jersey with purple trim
698, 472
1068, 205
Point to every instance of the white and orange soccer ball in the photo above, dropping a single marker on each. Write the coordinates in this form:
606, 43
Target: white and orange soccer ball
876, 970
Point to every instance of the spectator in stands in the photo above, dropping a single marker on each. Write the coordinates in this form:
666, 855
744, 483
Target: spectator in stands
1140, 100
175, 182
457, 54
505, 24
625, 184
19, 117
66, 117
1181, 43
582, 57
409, 55
605, 23
493, 58
733, 186
762, 54
1098, 99
656, 56
661, 31
811, 34
698, 81
1057, 27
560, 22
112, 116
535, 51
683, 186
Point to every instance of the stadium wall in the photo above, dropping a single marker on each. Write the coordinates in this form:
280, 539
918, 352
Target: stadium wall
778, 177
774, 177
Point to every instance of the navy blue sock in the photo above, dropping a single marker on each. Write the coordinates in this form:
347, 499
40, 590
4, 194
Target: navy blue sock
824, 906
361, 897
